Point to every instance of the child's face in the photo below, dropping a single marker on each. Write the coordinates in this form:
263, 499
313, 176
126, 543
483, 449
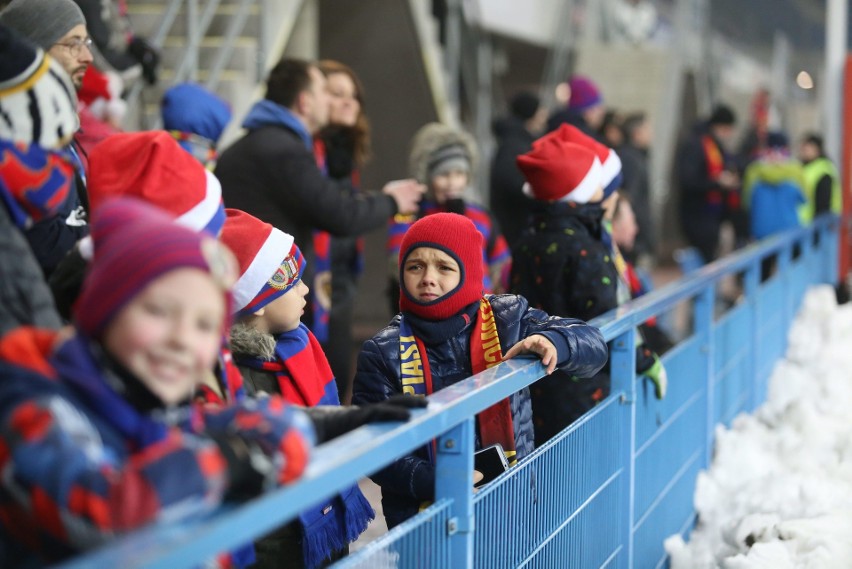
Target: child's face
285, 312
624, 227
449, 185
169, 335
429, 274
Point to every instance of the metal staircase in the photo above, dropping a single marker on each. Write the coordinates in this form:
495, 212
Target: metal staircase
225, 45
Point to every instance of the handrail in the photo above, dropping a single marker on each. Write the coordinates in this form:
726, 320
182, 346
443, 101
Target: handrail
345, 460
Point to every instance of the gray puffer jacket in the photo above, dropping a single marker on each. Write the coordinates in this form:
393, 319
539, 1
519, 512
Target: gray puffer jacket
25, 299
409, 481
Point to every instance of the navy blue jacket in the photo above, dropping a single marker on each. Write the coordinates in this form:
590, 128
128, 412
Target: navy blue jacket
409, 481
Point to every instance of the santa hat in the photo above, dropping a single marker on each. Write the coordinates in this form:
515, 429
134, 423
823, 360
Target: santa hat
101, 93
37, 99
270, 261
153, 167
135, 243
458, 237
558, 170
611, 176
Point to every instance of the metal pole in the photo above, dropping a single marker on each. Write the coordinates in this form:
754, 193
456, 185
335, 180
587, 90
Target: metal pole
452, 55
835, 51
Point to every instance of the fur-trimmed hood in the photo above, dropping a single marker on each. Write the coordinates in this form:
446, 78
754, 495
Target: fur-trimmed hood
432, 137
247, 341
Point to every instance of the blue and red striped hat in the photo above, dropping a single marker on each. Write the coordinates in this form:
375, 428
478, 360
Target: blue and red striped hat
269, 259
134, 243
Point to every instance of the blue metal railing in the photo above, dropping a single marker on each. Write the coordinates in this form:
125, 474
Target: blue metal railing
606, 492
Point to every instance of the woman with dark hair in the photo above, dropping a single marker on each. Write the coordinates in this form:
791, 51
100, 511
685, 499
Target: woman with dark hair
341, 149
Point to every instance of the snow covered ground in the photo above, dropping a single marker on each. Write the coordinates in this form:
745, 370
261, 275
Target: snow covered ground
779, 492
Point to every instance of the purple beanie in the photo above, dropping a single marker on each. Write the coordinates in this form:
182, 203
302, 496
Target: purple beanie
584, 94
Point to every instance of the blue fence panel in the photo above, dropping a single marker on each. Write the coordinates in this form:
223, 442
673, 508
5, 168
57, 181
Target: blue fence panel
556, 496
732, 385
419, 543
606, 492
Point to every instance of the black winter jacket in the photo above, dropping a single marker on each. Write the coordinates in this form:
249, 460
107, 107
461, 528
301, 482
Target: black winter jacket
409, 481
25, 299
560, 264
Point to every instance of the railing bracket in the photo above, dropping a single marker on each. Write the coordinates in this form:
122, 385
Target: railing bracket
452, 526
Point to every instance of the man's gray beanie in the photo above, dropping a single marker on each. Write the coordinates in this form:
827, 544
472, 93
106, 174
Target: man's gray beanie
43, 22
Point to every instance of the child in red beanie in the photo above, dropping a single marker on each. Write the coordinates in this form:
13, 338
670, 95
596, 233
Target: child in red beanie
449, 330
93, 419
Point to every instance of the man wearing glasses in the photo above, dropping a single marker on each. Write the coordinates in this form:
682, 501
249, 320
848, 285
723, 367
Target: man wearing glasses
56, 26
59, 28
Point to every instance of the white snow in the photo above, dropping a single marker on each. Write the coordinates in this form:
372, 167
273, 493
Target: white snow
778, 494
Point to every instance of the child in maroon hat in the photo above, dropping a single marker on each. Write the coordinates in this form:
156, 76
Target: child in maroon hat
95, 421
449, 330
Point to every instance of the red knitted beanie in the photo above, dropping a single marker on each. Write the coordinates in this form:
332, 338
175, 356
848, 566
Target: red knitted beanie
458, 237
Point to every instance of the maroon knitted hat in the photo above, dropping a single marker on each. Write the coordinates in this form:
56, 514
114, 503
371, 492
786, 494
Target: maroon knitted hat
458, 237
134, 243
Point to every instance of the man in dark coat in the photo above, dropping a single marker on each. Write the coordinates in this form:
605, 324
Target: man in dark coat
515, 134
708, 185
272, 174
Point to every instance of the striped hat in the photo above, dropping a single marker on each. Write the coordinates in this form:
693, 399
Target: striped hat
153, 167
135, 243
611, 176
558, 170
37, 99
269, 259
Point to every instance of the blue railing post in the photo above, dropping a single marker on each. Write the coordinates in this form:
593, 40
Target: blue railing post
831, 253
752, 286
703, 308
785, 259
622, 357
454, 481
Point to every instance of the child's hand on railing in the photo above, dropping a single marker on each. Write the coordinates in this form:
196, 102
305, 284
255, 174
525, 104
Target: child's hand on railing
536, 344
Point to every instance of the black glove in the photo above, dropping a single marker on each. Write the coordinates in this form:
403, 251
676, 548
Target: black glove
147, 56
249, 468
330, 422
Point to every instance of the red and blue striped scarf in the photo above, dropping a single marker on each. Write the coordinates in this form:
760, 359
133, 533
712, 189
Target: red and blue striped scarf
305, 378
495, 423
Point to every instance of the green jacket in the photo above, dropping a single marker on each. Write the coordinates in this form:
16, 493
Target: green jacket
814, 172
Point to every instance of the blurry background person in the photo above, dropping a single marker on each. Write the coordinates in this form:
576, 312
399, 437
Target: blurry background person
708, 180
585, 108
822, 183
515, 134
635, 168
341, 148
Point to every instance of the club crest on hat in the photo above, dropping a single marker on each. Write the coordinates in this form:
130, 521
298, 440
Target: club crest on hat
286, 275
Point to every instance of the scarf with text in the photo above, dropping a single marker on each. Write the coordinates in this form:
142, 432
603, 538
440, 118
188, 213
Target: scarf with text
305, 378
495, 423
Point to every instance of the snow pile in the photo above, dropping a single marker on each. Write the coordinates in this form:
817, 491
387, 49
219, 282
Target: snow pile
779, 492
